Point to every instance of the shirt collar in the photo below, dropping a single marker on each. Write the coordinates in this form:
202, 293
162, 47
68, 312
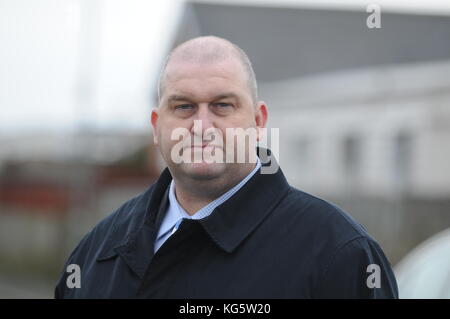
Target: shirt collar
133, 232
236, 218
175, 212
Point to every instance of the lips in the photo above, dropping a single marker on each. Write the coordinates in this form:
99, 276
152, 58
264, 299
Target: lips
194, 148
202, 146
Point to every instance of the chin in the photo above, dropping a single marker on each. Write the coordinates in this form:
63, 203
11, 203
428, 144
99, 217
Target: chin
203, 170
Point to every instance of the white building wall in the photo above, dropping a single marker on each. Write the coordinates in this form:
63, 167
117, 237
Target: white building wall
375, 107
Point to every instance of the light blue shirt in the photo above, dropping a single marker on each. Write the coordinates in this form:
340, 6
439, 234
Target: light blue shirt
175, 213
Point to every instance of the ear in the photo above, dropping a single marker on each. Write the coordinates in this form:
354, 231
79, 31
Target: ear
261, 115
154, 121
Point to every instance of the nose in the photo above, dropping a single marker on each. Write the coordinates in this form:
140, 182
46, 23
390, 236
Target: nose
205, 117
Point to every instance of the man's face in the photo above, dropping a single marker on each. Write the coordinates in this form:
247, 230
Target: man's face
217, 96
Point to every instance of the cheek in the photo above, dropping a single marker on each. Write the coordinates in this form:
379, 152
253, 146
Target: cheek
166, 138
169, 130
240, 122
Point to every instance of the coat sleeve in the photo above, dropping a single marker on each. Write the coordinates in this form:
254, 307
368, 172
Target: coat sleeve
358, 269
75, 257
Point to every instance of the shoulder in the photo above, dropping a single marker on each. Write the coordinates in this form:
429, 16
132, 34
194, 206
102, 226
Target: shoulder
321, 216
357, 269
343, 249
99, 242
119, 223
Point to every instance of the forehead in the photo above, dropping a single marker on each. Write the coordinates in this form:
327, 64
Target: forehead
196, 77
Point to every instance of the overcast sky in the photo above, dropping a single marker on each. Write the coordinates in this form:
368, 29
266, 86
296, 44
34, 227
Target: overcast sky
67, 64
70, 63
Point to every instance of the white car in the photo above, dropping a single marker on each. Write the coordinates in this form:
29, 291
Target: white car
425, 272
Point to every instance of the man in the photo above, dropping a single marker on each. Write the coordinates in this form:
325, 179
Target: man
222, 228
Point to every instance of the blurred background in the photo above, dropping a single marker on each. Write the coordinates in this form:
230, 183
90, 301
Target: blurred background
363, 113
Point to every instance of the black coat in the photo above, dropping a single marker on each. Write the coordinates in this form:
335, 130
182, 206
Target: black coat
269, 240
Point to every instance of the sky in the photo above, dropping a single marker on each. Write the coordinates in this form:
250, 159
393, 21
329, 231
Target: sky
67, 65
71, 64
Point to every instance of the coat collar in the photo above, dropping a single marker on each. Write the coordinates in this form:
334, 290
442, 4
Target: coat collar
235, 219
228, 225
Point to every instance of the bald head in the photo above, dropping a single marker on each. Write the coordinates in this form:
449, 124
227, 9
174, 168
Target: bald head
209, 49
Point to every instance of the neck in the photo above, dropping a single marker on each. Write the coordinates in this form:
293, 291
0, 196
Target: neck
193, 195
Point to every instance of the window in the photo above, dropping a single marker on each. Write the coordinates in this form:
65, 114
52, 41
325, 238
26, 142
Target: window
402, 161
352, 162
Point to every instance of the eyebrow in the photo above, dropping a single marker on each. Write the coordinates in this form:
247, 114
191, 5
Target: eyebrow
177, 97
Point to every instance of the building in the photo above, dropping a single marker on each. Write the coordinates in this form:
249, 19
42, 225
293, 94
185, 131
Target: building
364, 114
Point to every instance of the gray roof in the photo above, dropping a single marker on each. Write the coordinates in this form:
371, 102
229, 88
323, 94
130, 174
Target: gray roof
291, 42
80, 147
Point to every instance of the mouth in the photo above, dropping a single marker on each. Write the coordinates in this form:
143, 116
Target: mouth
203, 146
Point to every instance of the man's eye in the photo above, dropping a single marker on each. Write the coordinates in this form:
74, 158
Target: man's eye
222, 105
184, 107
